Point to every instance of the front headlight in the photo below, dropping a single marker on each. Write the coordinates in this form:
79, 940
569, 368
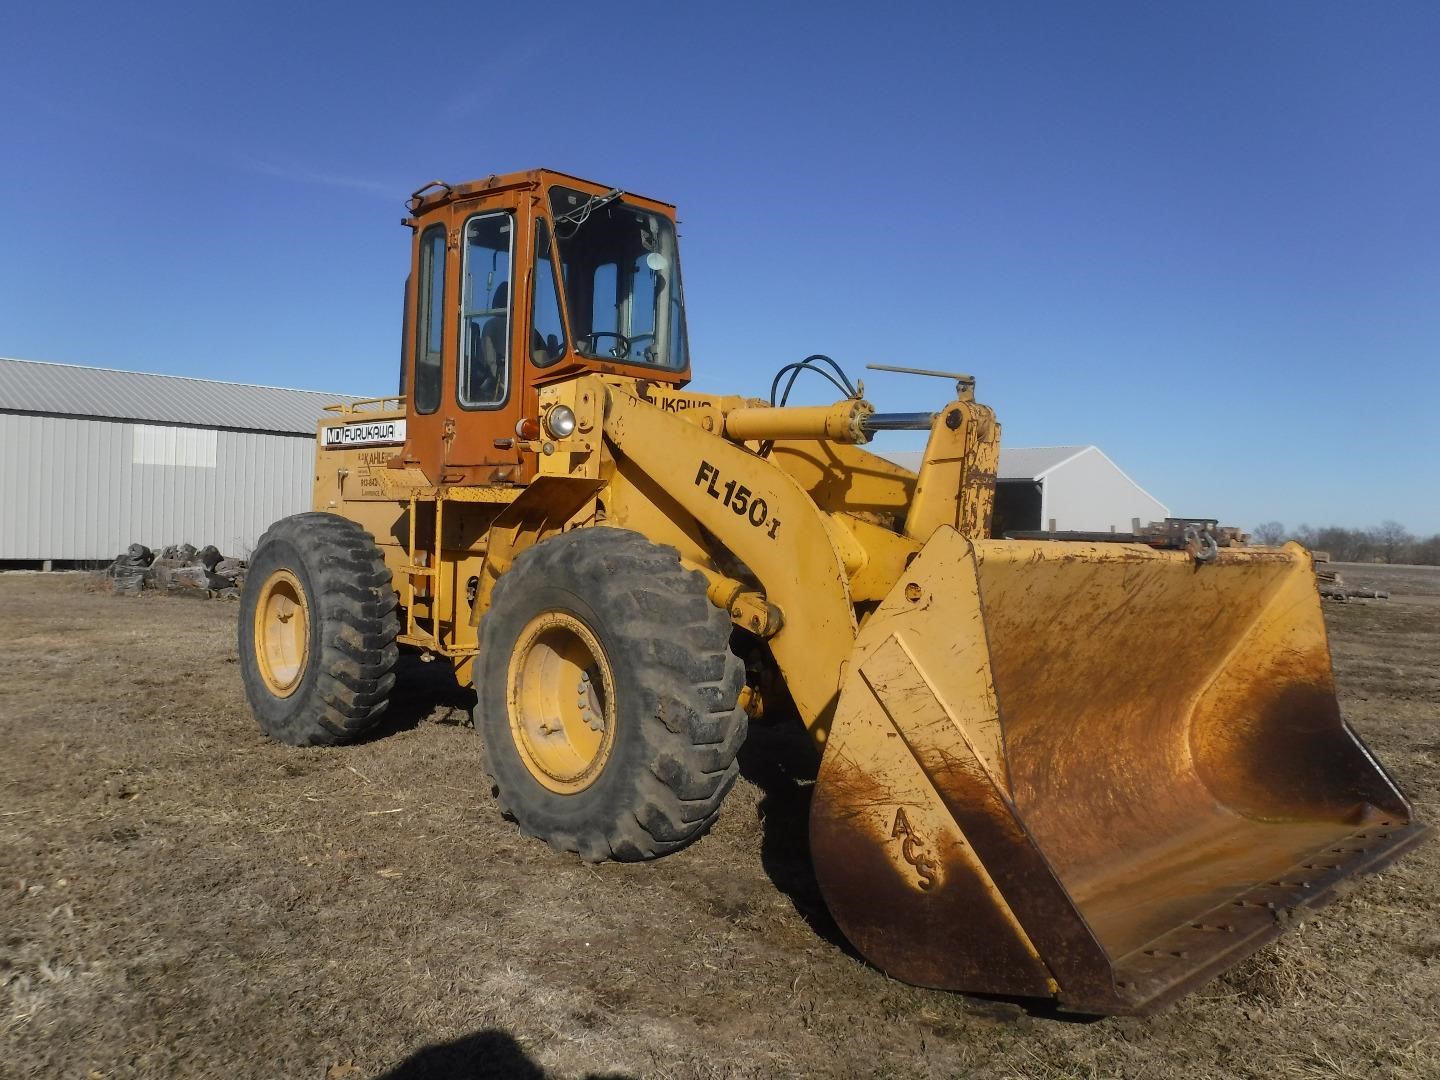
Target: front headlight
560, 422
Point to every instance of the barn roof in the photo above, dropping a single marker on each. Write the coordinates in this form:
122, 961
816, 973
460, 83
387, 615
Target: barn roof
1016, 462
32, 386
1033, 462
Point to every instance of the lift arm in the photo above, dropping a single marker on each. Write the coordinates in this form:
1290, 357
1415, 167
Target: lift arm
768, 522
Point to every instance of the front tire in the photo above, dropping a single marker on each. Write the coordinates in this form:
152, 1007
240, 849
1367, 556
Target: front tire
608, 696
317, 631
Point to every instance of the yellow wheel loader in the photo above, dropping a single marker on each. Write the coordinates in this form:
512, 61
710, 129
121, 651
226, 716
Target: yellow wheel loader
1095, 770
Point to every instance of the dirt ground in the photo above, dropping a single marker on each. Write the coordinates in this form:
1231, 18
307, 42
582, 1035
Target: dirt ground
180, 897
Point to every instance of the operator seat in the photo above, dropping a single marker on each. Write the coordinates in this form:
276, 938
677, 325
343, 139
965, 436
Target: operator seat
488, 361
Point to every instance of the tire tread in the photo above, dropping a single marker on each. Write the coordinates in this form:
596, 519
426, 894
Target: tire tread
688, 688
356, 604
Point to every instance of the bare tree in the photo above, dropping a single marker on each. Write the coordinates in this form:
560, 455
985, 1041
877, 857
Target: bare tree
1345, 545
1391, 540
1269, 532
1426, 552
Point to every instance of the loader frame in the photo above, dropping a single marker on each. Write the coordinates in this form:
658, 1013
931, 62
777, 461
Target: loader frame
1097, 772
814, 553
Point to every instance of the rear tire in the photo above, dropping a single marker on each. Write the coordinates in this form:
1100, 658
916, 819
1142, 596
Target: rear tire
608, 696
317, 631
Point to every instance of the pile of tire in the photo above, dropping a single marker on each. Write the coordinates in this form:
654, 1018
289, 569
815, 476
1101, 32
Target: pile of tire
129, 569
177, 568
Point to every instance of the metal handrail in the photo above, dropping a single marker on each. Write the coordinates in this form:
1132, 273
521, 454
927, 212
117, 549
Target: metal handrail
378, 404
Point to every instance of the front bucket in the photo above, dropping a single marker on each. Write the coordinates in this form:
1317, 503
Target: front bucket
1095, 772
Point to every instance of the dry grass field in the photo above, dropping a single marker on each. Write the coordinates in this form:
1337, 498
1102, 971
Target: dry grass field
180, 897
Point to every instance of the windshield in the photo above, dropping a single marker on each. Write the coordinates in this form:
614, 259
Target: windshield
621, 271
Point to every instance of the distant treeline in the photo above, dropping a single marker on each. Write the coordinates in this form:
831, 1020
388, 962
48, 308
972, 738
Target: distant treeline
1387, 542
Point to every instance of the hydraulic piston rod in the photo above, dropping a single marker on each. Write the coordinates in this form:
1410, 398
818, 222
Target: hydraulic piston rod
898, 421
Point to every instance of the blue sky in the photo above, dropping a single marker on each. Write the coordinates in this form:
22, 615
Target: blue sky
1205, 237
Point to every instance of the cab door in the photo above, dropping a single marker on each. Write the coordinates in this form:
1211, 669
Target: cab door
489, 386
465, 389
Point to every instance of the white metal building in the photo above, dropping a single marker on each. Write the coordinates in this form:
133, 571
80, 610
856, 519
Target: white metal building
1077, 488
92, 460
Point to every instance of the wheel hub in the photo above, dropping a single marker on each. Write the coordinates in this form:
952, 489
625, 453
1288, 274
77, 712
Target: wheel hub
561, 699
282, 633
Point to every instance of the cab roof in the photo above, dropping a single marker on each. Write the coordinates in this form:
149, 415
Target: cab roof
438, 192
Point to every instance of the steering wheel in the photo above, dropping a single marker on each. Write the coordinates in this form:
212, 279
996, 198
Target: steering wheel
622, 344
648, 353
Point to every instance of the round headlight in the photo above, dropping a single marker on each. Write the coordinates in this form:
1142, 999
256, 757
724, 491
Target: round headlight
560, 421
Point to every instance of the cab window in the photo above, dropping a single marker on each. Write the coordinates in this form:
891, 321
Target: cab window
547, 337
429, 319
484, 380
621, 269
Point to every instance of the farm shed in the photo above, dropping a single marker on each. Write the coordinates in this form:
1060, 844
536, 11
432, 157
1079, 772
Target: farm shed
93, 459
1076, 487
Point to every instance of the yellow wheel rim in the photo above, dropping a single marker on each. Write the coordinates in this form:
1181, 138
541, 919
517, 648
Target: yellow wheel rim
561, 699
282, 633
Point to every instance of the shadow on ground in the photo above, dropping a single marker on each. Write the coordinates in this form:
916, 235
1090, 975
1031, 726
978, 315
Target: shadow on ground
483, 1055
422, 690
779, 759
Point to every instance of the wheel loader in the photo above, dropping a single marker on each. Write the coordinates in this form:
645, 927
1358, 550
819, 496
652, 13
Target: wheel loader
1094, 770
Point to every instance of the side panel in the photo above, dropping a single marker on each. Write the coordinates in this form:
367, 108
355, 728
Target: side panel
86, 489
917, 844
842, 477
351, 482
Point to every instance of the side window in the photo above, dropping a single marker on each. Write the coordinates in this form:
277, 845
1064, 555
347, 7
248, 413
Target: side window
646, 285
429, 319
547, 338
605, 306
485, 312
